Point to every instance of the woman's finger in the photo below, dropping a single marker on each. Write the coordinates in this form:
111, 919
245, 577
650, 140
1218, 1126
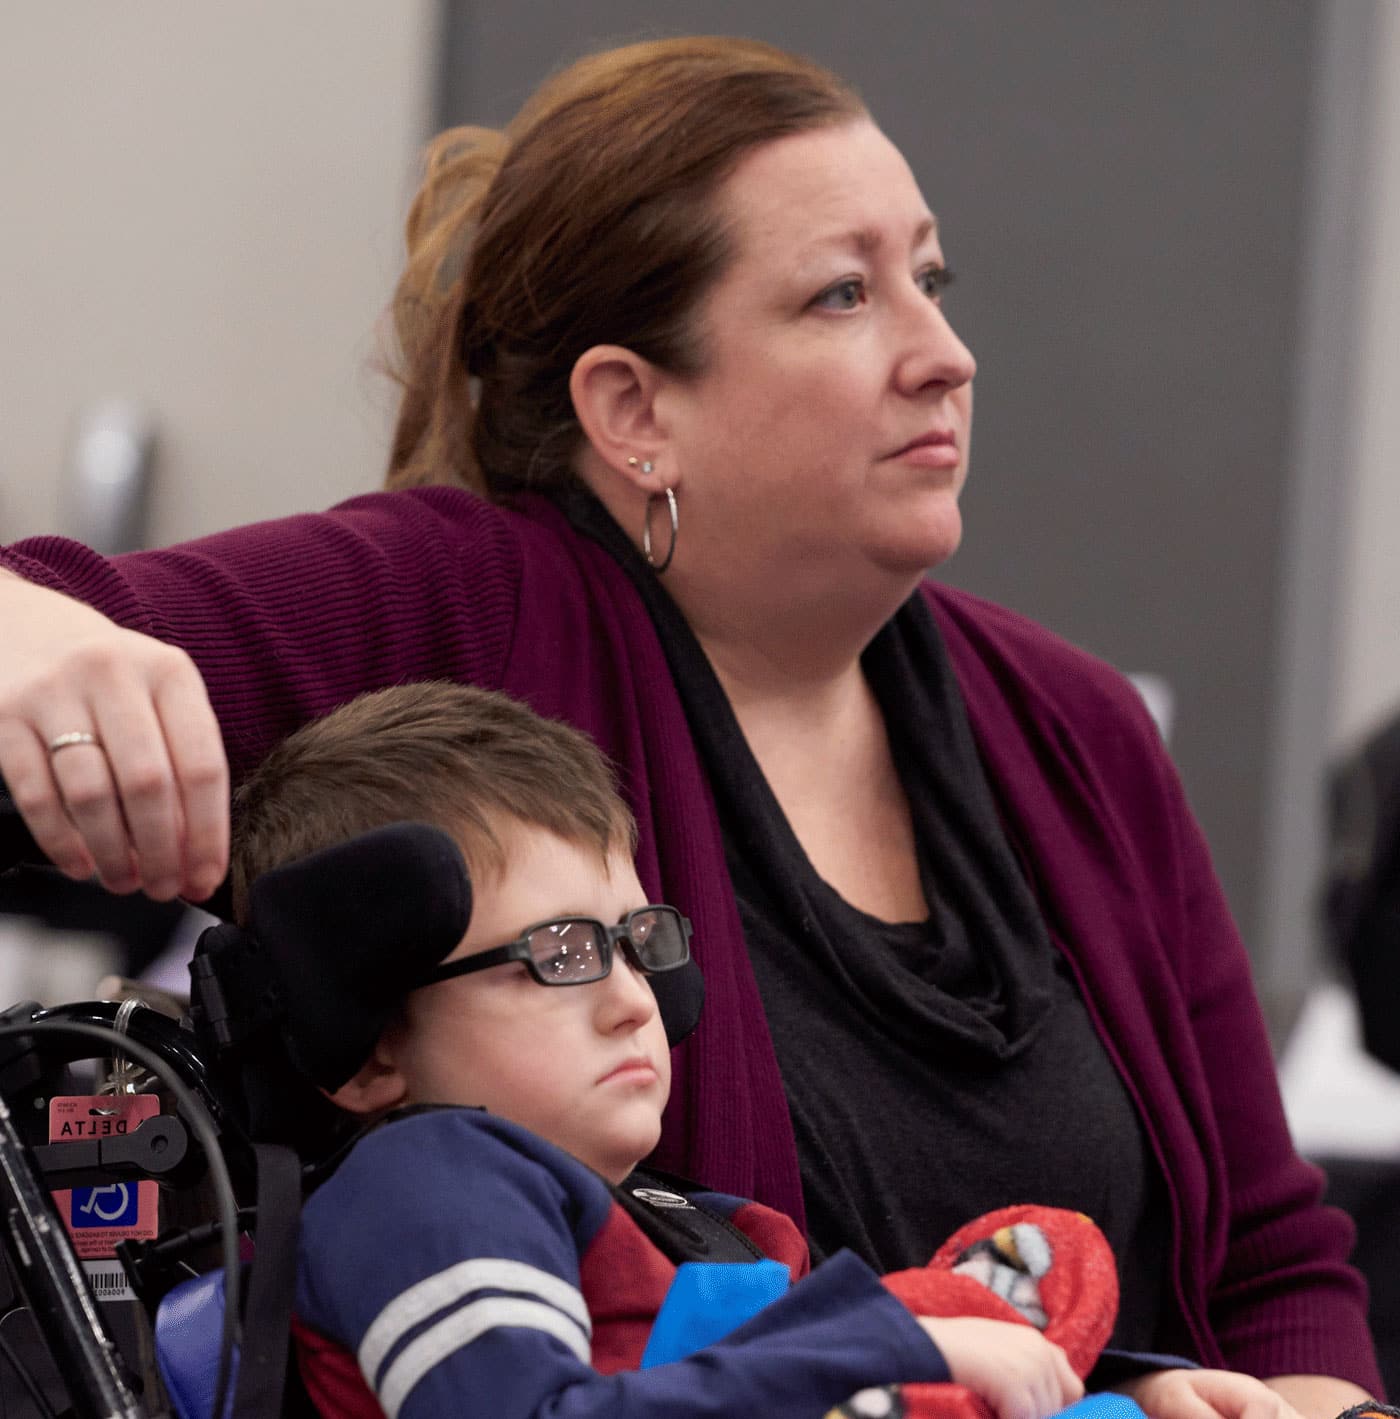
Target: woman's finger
25, 767
141, 785
1171, 1394
170, 774
118, 782
1185, 1403
196, 749
79, 765
1266, 1405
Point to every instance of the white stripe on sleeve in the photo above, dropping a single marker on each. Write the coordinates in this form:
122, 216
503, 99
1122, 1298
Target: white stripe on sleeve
446, 1288
463, 1326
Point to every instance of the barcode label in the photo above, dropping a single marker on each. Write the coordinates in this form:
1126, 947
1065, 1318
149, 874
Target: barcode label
108, 1282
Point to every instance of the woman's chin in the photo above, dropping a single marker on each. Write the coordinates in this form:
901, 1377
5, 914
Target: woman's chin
918, 546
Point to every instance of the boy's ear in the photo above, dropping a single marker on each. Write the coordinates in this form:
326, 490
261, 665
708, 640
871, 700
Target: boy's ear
376, 1087
615, 396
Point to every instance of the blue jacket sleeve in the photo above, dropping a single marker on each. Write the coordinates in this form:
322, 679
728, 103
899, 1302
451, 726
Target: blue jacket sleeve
445, 1255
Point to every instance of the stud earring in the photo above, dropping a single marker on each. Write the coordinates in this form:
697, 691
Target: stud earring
646, 465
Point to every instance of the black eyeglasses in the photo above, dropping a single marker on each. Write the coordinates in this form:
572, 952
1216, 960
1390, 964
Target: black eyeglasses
573, 950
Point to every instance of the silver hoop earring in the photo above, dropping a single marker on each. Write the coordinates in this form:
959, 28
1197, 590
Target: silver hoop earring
659, 567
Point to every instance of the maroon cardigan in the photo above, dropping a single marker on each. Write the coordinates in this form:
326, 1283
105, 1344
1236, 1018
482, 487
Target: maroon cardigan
287, 619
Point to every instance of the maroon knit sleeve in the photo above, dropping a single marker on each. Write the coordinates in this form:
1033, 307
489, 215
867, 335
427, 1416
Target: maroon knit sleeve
1124, 874
1279, 1294
1282, 1299
287, 619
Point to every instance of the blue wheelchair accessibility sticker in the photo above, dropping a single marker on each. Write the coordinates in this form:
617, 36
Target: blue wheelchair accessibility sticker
110, 1206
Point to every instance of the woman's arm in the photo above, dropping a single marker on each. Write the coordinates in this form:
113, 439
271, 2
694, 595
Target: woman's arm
1278, 1296
253, 632
146, 805
1283, 1301
1264, 1285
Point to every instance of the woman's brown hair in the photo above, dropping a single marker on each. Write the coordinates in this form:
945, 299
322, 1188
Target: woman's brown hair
590, 221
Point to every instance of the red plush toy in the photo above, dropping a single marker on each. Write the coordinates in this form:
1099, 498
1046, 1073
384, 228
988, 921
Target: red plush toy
1040, 1266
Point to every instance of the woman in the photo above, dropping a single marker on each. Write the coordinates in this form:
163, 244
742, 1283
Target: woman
682, 325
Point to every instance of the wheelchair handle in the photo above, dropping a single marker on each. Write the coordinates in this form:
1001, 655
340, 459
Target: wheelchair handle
157, 1149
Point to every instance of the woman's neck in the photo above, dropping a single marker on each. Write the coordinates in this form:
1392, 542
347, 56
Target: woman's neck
803, 691
798, 693
822, 745
787, 645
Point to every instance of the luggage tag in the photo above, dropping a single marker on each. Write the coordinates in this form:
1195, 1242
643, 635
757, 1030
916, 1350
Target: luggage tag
97, 1218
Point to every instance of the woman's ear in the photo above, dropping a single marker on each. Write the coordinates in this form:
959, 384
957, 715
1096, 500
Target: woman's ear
614, 392
377, 1087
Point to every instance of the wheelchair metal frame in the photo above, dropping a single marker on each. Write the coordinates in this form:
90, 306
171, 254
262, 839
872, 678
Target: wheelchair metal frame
34, 1044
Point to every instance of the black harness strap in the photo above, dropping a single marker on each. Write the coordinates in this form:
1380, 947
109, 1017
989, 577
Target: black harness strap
262, 1366
673, 1222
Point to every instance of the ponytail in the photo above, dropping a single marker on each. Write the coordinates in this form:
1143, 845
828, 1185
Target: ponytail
432, 441
593, 220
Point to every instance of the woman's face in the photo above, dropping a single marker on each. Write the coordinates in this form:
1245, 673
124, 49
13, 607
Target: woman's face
827, 436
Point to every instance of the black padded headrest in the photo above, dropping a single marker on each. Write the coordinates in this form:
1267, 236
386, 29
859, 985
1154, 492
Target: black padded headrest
337, 939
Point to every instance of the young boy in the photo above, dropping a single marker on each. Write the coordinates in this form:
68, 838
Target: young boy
477, 1258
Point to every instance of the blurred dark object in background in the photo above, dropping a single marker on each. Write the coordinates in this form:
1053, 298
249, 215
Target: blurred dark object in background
1361, 895
1369, 1191
1361, 919
138, 927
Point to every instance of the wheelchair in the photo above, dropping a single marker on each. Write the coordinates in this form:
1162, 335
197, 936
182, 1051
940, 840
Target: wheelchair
135, 1335
236, 1113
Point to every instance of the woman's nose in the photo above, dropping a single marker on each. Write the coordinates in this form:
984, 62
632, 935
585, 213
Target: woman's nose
936, 355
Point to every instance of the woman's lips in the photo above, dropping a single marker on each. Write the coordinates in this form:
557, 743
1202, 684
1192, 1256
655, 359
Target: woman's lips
932, 450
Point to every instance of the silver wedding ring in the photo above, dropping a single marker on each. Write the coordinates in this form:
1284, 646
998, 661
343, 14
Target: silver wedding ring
71, 739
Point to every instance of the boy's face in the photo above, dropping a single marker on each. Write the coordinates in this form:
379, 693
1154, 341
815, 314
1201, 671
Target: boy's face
585, 1066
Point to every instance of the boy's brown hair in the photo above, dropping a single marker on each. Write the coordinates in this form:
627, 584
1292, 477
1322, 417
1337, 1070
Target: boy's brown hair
467, 760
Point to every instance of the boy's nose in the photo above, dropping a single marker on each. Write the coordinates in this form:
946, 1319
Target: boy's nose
625, 998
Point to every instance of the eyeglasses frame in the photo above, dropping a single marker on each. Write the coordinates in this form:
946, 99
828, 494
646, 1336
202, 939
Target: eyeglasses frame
610, 936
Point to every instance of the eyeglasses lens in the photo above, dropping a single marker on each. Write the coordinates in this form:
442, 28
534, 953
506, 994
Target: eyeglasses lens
567, 952
657, 938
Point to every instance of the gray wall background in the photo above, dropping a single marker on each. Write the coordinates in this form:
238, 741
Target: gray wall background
1124, 188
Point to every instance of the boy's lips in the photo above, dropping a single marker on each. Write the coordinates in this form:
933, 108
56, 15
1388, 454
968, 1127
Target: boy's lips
638, 1065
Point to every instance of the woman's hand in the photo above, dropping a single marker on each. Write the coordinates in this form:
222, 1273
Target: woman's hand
1205, 1394
1014, 1368
1318, 1396
146, 804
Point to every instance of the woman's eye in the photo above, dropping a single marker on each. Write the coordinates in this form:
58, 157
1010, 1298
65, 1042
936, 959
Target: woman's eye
934, 280
844, 295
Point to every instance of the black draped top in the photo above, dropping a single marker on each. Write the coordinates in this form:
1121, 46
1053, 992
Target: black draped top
938, 1069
